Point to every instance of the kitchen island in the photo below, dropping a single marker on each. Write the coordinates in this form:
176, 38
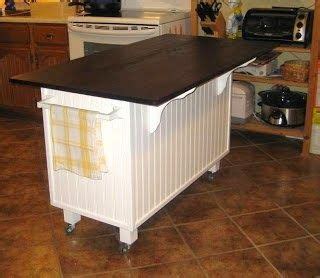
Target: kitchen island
169, 98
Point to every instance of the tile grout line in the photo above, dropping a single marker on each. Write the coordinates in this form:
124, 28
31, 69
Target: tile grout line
298, 205
129, 269
288, 180
269, 155
292, 218
206, 192
186, 244
56, 242
283, 241
248, 238
254, 212
227, 252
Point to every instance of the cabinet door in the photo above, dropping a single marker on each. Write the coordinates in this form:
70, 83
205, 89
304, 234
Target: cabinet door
15, 61
47, 57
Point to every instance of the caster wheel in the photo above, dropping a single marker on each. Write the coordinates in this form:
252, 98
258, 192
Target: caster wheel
70, 228
210, 176
124, 248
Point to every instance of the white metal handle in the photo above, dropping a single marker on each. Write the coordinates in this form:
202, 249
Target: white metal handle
113, 32
113, 115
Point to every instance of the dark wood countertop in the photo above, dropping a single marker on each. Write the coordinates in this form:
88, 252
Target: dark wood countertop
150, 72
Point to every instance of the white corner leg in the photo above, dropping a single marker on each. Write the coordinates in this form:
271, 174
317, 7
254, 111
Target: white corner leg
212, 170
215, 168
71, 217
127, 236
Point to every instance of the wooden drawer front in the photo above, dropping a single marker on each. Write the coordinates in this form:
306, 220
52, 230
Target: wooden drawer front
50, 34
14, 33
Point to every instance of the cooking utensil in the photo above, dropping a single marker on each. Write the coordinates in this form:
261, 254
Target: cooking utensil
200, 11
205, 9
216, 7
282, 107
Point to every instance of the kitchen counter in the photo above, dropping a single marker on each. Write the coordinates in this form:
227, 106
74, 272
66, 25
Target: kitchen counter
148, 72
163, 106
35, 19
51, 12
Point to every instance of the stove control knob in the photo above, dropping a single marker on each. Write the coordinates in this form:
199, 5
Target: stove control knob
298, 36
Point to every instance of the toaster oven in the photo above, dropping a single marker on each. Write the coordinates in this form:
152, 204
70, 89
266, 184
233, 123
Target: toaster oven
291, 25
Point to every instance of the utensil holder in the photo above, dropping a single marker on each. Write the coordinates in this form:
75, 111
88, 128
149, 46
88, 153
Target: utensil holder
215, 28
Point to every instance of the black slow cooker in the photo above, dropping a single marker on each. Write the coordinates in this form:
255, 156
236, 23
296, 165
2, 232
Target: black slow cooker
282, 107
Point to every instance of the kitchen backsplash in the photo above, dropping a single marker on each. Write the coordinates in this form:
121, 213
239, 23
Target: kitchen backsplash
157, 4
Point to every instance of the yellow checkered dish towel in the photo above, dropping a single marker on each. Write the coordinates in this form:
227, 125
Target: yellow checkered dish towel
77, 141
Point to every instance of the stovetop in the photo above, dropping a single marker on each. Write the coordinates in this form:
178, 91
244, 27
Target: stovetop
152, 17
119, 14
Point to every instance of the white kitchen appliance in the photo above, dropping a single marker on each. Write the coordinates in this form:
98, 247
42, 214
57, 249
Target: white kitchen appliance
242, 101
262, 66
260, 70
90, 34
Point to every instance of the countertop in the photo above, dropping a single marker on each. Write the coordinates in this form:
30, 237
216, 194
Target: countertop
150, 72
35, 19
48, 12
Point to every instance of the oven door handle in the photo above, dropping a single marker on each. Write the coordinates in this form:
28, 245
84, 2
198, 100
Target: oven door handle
113, 32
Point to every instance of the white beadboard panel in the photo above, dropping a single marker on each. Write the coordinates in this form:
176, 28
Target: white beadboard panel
192, 136
145, 169
109, 199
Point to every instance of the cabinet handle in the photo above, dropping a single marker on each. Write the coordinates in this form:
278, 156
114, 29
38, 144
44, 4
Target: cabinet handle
49, 36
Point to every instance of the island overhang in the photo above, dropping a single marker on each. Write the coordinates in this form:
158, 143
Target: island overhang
149, 72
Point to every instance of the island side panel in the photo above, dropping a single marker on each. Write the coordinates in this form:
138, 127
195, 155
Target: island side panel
192, 137
108, 200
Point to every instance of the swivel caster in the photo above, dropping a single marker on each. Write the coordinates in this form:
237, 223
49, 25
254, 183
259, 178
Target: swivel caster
124, 248
70, 228
210, 176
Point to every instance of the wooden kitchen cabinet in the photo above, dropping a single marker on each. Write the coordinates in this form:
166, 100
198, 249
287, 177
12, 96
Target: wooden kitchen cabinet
50, 57
15, 61
50, 34
51, 44
23, 48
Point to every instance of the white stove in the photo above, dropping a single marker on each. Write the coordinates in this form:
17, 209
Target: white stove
91, 34
155, 17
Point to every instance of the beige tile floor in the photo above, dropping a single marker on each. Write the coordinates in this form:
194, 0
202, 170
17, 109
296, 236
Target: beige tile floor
260, 217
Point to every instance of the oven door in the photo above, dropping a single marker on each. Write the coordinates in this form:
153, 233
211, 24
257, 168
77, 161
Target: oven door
88, 38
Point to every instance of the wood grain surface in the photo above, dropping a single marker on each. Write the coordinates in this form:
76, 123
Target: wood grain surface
150, 72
